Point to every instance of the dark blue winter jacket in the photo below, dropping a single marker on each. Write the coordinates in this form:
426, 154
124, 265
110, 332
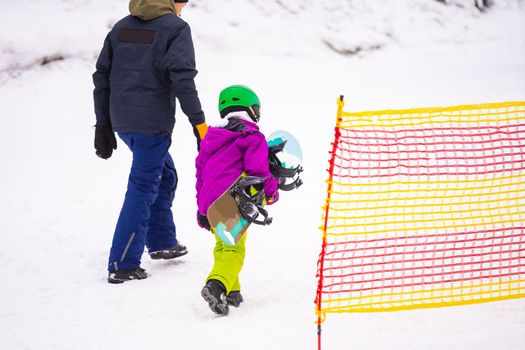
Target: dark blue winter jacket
143, 66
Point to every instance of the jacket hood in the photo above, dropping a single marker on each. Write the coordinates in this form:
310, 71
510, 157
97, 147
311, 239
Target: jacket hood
150, 9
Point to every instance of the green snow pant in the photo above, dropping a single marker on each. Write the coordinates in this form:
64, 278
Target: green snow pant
227, 263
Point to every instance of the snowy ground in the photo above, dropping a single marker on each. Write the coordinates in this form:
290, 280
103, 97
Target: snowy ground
59, 202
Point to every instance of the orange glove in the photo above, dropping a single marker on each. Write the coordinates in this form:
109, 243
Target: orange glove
200, 131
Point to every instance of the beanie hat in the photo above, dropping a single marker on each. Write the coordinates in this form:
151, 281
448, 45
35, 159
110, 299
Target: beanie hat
181, 0
150, 9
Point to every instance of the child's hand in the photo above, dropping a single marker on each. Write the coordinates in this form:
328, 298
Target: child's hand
272, 199
203, 221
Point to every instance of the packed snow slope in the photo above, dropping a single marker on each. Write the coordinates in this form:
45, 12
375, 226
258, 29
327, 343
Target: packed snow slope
59, 202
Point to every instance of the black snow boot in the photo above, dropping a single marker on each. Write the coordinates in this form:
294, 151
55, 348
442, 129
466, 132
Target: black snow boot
234, 298
170, 253
122, 276
214, 293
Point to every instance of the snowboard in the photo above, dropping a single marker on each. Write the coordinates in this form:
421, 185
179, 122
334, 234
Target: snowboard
224, 214
225, 219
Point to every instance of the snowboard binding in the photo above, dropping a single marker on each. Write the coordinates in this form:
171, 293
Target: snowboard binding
249, 195
288, 177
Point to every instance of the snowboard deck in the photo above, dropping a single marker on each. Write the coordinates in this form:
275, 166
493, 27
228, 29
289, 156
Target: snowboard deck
225, 218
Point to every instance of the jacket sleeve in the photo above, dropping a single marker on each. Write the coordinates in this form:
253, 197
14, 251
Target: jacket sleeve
198, 174
179, 60
101, 82
256, 164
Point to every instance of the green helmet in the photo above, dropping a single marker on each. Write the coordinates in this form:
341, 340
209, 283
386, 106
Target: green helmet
239, 98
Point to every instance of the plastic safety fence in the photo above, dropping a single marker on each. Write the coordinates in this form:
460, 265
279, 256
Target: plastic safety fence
425, 208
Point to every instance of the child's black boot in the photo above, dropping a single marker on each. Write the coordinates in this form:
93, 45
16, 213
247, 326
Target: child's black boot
234, 298
214, 293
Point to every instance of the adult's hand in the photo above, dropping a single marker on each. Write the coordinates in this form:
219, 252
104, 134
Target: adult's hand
200, 131
105, 141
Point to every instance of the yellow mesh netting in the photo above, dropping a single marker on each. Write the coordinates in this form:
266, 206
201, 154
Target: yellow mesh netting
425, 208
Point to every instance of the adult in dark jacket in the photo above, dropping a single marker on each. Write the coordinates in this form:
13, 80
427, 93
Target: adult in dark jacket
147, 61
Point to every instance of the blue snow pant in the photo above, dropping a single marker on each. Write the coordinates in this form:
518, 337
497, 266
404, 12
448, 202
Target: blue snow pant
146, 218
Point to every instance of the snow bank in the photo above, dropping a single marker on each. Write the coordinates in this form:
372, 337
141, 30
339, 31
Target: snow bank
38, 32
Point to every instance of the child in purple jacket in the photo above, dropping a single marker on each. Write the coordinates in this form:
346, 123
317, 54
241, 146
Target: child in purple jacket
235, 147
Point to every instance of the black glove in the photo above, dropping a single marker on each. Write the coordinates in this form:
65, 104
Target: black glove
203, 221
105, 141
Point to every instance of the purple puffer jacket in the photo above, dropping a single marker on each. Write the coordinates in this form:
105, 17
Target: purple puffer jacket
224, 156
